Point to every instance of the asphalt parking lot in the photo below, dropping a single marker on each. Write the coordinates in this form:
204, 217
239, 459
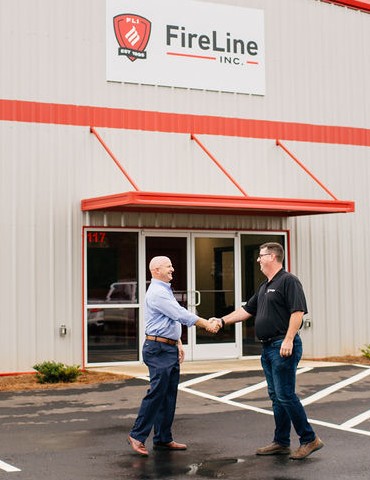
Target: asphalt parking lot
223, 416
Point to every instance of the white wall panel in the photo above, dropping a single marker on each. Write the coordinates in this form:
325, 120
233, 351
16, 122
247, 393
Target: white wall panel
46, 171
54, 51
331, 256
327, 263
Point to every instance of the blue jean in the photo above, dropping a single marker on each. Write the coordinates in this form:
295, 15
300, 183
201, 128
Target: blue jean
280, 375
158, 406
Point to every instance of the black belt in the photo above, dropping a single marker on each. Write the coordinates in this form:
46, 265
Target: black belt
268, 341
169, 341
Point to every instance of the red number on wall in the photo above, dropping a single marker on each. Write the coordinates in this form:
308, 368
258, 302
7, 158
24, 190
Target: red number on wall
96, 237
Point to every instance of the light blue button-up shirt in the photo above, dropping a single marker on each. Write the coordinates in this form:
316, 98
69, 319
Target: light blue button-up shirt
163, 314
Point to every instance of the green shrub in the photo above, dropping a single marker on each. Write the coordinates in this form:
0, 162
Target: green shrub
53, 372
366, 351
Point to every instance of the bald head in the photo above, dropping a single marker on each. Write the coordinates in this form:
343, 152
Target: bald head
161, 268
156, 262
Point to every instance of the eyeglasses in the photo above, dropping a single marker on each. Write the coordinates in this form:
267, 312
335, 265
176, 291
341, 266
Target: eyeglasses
263, 255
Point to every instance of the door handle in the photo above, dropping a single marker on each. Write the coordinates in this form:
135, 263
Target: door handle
194, 298
197, 297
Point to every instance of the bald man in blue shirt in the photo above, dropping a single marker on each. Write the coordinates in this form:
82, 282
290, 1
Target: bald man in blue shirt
162, 353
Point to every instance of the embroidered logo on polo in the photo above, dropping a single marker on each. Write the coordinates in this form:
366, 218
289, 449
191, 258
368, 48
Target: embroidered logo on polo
132, 34
270, 290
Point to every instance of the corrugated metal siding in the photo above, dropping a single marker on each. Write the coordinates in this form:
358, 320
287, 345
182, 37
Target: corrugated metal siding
315, 53
183, 221
331, 257
317, 72
325, 266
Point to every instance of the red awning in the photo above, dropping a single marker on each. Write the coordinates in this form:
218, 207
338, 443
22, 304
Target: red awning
139, 200
214, 204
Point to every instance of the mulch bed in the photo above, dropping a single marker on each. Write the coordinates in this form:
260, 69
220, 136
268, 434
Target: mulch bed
346, 359
10, 383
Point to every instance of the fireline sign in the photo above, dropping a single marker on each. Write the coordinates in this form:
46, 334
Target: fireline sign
186, 44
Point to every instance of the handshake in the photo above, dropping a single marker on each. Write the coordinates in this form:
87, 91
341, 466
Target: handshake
214, 325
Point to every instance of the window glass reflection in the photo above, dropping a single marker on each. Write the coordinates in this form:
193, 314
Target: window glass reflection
215, 282
112, 267
112, 335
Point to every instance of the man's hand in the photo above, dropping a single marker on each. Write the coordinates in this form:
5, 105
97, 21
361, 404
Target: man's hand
286, 348
213, 325
217, 320
181, 352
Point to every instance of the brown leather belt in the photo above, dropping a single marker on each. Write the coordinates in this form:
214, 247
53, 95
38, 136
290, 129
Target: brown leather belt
161, 339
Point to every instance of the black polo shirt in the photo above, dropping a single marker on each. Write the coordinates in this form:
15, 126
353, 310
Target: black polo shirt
274, 302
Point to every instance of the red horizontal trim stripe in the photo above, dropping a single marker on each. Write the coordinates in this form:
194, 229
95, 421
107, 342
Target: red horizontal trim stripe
61, 114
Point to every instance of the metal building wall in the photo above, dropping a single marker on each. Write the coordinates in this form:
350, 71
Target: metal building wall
317, 72
331, 257
316, 63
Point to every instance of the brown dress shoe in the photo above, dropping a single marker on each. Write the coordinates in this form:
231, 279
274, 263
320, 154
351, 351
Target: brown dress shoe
137, 446
306, 449
273, 449
170, 446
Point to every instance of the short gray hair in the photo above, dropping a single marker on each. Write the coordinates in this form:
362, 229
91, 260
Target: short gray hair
276, 249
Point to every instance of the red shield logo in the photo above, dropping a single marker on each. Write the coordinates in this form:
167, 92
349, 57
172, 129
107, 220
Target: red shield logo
132, 34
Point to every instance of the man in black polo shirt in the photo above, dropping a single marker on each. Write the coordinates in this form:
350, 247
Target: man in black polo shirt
278, 307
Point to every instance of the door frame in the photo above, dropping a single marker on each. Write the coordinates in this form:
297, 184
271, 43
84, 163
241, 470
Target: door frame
192, 350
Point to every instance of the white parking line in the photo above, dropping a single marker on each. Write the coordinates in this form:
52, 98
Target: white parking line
269, 412
333, 388
357, 420
245, 391
8, 468
204, 378
196, 380
228, 402
346, 427
257, 386
340, 427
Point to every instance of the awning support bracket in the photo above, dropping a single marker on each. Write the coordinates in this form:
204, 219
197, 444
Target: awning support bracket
224, 171
213, 204
279, 144
110, 153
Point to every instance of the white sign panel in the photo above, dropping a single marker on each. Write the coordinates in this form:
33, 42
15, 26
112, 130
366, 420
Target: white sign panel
188, 44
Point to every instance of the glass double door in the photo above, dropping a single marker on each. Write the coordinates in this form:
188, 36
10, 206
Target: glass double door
204, 283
